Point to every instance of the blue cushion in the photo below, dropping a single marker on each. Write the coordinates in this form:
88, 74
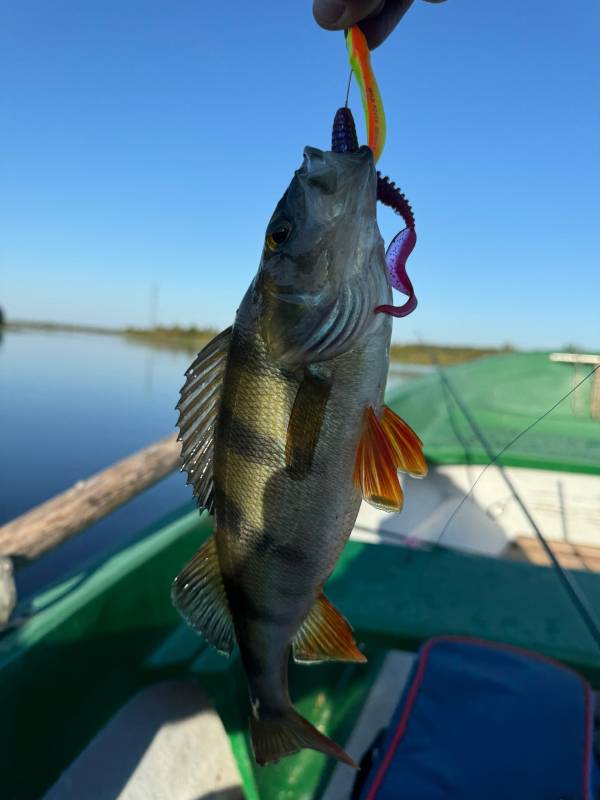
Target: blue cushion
481, 721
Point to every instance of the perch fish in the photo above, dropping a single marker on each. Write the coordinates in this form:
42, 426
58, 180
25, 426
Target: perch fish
284, 431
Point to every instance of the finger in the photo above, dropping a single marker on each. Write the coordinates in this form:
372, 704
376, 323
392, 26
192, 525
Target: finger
339, 14
378, 27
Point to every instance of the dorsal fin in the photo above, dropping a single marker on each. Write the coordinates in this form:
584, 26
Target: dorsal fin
198, 409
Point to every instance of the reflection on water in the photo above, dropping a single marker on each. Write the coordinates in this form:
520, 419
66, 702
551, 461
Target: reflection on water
72, 404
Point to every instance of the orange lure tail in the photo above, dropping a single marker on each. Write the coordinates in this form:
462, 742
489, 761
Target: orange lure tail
360, 61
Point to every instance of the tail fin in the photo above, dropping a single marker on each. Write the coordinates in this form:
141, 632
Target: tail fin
284, 735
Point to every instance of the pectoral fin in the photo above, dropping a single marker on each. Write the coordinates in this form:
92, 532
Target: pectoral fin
406, 445
375, 472
199, 596
386, 446
325, 635
305, 424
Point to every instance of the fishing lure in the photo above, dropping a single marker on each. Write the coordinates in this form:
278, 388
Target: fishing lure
345, 140
360, 61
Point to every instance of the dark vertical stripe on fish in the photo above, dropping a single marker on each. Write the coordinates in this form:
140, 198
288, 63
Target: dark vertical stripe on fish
244, 357
254, 447
263, 542
267, 545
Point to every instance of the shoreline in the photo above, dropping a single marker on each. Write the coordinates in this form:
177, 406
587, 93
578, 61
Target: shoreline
193, 339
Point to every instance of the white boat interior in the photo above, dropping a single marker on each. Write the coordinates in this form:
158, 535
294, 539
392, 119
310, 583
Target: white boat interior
565, 506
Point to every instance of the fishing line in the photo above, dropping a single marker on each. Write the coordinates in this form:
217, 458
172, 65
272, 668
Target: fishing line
348, 89
579, 600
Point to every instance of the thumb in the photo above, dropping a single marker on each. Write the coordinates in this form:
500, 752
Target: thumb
336, 15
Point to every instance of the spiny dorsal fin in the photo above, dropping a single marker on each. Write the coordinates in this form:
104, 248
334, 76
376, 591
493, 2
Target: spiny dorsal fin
198, 408
325, 635
199, 596
386, 446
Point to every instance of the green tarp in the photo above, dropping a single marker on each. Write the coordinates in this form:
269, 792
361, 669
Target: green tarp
505, 394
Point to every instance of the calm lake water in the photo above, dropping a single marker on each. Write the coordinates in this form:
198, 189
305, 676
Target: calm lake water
72, 404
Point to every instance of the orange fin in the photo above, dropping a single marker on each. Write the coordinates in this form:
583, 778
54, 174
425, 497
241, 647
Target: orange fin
375, 470
325, 635
285, 734
406, 445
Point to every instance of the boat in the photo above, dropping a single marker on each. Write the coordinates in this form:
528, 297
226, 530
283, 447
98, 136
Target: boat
76, 656
554, 466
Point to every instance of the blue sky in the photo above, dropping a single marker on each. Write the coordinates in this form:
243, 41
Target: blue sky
148, 142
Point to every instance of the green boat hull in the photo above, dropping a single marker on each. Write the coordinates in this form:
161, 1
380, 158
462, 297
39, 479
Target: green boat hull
85, 646
108, 631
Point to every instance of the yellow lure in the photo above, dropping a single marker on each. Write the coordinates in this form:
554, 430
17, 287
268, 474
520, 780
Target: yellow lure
360, 61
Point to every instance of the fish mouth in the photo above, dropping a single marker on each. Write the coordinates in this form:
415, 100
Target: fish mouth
328, 171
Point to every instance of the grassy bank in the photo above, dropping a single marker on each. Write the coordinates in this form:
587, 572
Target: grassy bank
59, 327
444, 355
193, 339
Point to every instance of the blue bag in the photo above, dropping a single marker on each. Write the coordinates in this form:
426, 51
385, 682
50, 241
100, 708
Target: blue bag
482, 721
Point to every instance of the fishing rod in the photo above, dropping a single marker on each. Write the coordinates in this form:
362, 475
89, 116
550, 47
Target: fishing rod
579, 600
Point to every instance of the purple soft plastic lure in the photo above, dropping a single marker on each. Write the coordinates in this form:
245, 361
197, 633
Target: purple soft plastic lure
344, 140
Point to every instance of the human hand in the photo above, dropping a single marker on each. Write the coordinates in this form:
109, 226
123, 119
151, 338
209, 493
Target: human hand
377, 18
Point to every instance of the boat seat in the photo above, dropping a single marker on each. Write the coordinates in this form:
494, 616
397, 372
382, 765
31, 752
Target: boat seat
484, 721
166, 743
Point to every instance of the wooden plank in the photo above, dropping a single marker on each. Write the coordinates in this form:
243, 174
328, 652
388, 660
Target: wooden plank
575, 358
65, 515
570, 556
595, 397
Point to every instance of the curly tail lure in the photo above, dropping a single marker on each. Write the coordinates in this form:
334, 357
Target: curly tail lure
344, 140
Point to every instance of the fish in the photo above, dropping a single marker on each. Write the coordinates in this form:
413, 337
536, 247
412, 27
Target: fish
284, 432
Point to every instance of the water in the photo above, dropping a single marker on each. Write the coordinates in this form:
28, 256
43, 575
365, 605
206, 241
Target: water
72, 404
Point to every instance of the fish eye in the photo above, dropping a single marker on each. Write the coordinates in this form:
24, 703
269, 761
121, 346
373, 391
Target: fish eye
278, 235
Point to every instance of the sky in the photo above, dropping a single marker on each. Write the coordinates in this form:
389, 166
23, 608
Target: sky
145, 143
